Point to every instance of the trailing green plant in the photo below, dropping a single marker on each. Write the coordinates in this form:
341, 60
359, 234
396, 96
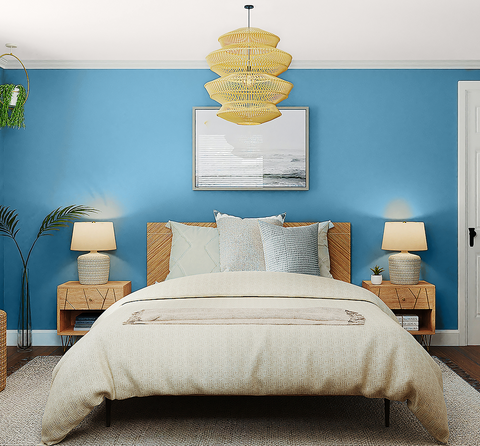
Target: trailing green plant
12, 117
376, 270
57, 219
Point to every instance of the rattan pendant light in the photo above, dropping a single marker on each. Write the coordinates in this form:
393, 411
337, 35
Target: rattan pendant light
248, 64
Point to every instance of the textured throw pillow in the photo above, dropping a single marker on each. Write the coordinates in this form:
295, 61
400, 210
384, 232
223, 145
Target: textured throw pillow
194, 250
323, 254
290, 250
240, 242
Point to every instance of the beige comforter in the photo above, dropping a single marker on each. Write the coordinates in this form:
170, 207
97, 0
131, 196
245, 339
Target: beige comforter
115, 360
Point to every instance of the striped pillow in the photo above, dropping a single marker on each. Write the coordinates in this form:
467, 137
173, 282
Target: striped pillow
291, 250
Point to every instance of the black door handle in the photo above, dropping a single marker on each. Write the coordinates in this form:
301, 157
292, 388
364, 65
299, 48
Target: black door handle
472, 233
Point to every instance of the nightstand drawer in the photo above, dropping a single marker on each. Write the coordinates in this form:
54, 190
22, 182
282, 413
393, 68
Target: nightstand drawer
404, 298
88, 297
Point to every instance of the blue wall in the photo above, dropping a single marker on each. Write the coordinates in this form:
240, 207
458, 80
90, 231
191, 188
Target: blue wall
383, 145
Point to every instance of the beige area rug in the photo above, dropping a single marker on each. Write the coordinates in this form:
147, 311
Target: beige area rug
235, 421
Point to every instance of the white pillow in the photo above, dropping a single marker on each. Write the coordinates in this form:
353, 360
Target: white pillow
240, 242
323, 254
195, 250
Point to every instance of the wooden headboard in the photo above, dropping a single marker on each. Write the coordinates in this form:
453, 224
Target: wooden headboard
159, 241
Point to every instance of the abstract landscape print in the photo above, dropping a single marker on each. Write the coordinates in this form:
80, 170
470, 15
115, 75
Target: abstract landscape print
273, 155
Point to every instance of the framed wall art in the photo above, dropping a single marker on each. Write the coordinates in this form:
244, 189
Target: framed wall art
269, 156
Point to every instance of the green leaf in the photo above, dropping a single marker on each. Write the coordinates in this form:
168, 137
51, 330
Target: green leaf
57, 219
62, 217
376, 270
8, 222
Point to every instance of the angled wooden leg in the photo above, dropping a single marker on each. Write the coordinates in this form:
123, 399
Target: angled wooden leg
108, 412
387, 412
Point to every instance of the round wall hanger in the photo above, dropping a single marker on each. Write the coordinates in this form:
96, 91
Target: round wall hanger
11, 46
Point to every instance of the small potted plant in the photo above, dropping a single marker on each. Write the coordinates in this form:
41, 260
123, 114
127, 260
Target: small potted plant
376, 278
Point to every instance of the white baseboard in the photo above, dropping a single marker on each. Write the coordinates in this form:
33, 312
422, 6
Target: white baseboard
46, 338
446, 338
40, 338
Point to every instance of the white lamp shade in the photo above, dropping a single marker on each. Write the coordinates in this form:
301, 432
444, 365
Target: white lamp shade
404, 236
93, 236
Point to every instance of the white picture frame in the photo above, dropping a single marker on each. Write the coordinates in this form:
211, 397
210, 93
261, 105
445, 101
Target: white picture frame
269, 156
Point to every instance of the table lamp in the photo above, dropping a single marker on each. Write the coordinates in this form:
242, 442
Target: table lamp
404, 267
94, 267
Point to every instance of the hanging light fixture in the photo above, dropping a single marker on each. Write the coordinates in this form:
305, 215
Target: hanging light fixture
248, 64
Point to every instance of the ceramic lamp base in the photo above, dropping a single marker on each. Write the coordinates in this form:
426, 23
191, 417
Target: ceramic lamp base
404, 268
93, 268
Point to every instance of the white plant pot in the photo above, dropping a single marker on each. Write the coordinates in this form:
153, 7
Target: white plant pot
376, 279
13, 100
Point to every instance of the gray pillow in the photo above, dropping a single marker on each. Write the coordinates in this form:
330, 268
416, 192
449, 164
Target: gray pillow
290, 250
240, 243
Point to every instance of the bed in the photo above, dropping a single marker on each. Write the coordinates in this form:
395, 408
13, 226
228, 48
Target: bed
245, 333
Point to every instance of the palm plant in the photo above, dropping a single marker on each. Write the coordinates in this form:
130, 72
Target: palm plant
57, 219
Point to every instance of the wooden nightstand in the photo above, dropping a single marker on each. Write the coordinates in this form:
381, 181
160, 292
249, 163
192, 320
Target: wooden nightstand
416, 299
74, 298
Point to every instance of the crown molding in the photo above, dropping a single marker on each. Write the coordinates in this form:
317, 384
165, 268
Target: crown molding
106, 64
202, 64
386, 64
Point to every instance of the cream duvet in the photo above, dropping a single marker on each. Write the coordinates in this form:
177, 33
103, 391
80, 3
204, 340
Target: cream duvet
375, 358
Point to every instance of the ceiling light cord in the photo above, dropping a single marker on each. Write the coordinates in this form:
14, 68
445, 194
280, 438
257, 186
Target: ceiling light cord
249, 65
248, 7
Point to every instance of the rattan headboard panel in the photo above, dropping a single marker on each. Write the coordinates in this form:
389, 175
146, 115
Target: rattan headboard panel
159, 242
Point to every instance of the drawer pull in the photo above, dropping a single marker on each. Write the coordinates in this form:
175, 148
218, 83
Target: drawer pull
403, 299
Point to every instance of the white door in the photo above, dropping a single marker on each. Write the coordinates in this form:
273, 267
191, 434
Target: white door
469, 205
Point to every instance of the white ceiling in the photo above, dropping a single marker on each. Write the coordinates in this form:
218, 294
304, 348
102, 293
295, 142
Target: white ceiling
180, 33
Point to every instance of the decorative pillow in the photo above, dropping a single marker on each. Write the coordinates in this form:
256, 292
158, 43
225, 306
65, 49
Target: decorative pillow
194, 250
323, 254
290, 250
240, 242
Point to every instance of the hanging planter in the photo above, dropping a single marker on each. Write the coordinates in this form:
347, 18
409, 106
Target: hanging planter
12, 99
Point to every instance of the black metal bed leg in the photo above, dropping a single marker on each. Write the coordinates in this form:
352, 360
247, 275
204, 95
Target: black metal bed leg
108, 412
387, 412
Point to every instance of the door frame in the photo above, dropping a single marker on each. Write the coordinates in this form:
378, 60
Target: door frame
463, 87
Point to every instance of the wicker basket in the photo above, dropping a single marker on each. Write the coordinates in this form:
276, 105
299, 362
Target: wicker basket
3, 350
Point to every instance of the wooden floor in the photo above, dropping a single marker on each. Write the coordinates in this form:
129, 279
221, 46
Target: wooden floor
467, 358
16, 359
